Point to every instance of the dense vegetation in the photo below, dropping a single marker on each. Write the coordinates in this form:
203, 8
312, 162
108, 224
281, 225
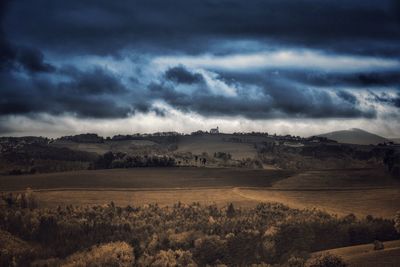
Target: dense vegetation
392, 162
30, 158
321, 156
112, 160
183, 234
83, 138
28, 155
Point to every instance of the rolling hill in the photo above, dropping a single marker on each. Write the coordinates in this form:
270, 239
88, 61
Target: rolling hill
355, 136
366, 256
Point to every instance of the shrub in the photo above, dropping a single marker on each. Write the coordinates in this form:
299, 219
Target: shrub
230, 212
244, 247
209, 249
112, 160
397, 222
327, 260
118, 254
270, 233
178, 258
222, 155
378, 245
295, 262
15, 251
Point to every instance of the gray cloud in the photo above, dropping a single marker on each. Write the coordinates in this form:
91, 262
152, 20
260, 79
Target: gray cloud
347, 97
89, 94
14, 57
181, 75
34, 38
276, 99
385, 98
104, 27
94, 82
321, 78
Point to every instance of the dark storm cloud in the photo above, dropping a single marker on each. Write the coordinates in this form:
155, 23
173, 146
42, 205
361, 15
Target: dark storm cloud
276, 99
93, 82
37, 39
98, 93
102, 26
181, 75
89, 94
320, 79
347, 96
300, 101
385, 98
357, 79
32, 60
14, 56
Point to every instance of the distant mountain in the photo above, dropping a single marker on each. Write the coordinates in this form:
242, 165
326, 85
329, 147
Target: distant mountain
355, 136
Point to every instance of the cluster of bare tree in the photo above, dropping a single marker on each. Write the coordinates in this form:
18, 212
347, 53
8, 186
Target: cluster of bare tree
187, 235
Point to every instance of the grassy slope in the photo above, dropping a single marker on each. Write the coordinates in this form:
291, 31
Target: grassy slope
366, 256
219, 143
101, 148
376, 202
355, 136
17, 248
329, 179
194, 144
361, 192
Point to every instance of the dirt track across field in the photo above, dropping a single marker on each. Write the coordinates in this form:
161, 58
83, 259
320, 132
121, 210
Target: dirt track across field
361, 192
376, 202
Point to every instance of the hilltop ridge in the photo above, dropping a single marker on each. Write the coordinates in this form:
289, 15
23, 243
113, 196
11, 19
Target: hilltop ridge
355, 136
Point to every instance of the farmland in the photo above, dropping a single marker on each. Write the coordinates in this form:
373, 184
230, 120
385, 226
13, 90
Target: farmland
217, 188
380, 202
215, 143
101, 148
362, 192
151, 178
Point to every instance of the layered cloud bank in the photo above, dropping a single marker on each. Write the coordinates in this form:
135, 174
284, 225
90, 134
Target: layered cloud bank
298, 67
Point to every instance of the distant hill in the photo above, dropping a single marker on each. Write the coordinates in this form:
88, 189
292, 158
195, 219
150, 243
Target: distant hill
355, 136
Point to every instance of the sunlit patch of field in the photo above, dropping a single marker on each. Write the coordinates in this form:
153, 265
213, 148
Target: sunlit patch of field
359, 191
163, 197
362, 192
164, 186
366, 256
376, 202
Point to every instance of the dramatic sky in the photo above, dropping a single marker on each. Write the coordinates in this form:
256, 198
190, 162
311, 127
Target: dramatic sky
301, 67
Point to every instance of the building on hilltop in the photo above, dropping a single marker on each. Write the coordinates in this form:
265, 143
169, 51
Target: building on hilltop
214, 130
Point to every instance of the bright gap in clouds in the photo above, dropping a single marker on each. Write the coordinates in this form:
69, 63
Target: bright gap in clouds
184, 122
295, 59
